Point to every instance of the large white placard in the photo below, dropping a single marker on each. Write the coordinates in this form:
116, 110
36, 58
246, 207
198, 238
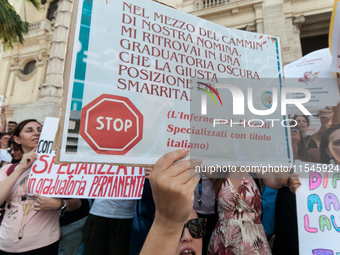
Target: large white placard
312, 73
80, 180
318, 210
139, 69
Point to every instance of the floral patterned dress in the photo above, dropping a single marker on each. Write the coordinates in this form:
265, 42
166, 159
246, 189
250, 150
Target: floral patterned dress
239, 233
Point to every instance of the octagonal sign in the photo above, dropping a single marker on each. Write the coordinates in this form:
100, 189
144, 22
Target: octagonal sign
111, 125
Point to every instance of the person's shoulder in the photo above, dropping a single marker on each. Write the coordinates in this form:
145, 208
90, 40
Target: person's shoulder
3, 172
4, 151
5, 168
5, 156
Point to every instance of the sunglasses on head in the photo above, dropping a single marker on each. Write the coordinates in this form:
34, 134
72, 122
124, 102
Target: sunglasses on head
196, 227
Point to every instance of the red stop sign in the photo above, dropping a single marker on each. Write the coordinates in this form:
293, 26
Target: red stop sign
111, 125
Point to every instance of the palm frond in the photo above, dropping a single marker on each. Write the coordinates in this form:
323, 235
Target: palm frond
12, 28
35, 3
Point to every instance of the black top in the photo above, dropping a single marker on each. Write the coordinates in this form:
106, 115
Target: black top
286, 227
143, 218
76, 215
310, 143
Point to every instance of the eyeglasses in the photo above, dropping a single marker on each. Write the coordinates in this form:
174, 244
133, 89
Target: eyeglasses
196, 227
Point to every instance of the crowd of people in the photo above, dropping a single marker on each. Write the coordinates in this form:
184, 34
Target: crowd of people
177, 214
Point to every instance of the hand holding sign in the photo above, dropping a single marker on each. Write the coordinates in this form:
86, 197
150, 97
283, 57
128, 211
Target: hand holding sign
27, 160
46, 203
325, 115
147, 171
294, 182
173, 193
173, 188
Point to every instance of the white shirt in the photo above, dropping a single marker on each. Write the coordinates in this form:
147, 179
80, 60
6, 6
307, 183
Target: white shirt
5, 156
207, 197
114, 208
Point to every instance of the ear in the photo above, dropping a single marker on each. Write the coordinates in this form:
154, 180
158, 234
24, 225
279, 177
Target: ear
329, 153
16, 139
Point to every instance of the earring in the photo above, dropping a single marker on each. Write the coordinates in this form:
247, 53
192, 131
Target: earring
331, 161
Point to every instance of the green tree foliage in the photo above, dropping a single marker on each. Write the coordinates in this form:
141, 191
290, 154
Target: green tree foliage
12, 28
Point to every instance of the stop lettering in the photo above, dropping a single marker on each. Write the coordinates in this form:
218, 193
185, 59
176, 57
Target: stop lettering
111, 124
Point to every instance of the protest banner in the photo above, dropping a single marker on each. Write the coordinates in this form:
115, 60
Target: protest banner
317, 202
135, 79
312, 73
80, 180
334, 37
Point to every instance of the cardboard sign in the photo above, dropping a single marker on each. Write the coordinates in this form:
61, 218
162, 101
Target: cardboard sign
80, 180
318, 210
137, 73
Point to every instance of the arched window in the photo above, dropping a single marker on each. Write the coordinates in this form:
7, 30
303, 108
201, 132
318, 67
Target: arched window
29, 67
52, 10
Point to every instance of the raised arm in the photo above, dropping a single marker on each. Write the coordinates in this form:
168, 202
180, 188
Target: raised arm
3, 120
173, 193
325, 116
7, 185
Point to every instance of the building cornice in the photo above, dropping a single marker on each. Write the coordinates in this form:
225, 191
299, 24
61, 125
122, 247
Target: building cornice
293, 0
311, 11
218, 10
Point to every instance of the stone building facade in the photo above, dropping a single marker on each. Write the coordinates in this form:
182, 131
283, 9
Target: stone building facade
31, 75
302, 25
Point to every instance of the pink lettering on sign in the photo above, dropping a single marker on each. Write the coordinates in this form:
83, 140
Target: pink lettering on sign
314, 180
325, 180
309, 229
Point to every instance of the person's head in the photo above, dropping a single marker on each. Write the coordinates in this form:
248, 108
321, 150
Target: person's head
15, 149
26, 134
302, 122
330, 145
11, 126
192, 234
4, 140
